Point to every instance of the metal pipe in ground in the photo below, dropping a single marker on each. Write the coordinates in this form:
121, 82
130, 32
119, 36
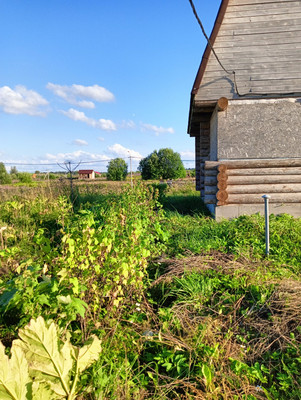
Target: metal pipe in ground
267, 223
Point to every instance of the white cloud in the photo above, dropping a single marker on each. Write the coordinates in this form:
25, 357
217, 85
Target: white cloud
157, 129
80, 142
75, 156
101, 139
187, 155
104, 124
22, 101
80, 95
123, 152
128, 124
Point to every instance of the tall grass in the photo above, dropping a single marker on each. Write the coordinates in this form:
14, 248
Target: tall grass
203, 316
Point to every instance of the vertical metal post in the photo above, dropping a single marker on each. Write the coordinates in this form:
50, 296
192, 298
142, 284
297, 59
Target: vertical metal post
131, 173
71, 183
267, 223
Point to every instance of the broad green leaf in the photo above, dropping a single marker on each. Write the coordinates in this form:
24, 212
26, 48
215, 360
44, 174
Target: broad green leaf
14, 375
207, 373
42, 391
89, 353
50, 361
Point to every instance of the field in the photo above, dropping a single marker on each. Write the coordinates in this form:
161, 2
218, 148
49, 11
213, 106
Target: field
136, 293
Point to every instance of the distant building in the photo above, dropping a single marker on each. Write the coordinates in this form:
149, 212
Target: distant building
86, 174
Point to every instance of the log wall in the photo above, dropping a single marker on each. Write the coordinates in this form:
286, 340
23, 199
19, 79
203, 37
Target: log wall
246, 181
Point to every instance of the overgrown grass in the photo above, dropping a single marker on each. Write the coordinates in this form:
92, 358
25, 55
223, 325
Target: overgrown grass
187, 308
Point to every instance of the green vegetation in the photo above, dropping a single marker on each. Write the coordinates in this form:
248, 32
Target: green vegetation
117, 170
162, 164
24, 177
184, 307
42, 366
5, 178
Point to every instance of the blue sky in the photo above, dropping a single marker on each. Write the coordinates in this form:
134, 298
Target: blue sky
97, 79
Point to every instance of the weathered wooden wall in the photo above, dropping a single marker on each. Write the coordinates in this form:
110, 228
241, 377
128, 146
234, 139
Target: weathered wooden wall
261, 41
245, 181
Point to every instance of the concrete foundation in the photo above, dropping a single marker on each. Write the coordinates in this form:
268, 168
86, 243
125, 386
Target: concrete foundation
235, 210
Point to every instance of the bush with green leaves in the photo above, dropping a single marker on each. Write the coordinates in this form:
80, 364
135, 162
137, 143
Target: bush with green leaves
117, 170
24, 177
5, 178
162, 164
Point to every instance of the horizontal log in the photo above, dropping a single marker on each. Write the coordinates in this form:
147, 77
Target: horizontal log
222, 195
210, 180
261, 189
222, 104
268, 163
265, 171
222, 169
210, 172
210, 190
262, 179
210, 199
222, 177
257, 198
222, 185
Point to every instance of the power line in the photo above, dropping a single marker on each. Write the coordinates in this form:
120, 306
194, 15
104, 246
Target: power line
75, 163
208, 40
249, 94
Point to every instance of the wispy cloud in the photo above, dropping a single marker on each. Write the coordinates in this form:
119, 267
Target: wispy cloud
120, 151
104, 124
157, 129
128, 124
80, 142
101, 139
75, 156
22, 101
81, 96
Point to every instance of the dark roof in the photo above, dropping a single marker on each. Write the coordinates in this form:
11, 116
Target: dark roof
85, 171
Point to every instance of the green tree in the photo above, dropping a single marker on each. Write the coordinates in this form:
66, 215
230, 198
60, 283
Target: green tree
165, 164
13, 171
117, 170
4, 176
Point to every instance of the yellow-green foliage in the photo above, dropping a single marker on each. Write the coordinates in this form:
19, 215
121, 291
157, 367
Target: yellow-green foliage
42, 366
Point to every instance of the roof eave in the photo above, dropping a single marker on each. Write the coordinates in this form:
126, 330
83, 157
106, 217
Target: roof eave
204, 62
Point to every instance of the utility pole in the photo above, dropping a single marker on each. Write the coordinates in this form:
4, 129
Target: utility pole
131, 172
67, 166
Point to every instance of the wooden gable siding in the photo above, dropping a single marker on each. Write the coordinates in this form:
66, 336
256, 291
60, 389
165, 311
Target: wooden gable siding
261, 41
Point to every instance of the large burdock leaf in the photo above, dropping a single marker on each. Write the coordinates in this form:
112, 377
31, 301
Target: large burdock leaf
42, 367
89, 353
14, 375
42, 391
84, 357
49, 360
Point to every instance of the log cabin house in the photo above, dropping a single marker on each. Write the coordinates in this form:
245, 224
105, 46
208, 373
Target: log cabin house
245, 109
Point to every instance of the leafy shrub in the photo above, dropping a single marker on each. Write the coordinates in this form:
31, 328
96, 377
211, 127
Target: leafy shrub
5, 178
117, 170
162, 164
24, 177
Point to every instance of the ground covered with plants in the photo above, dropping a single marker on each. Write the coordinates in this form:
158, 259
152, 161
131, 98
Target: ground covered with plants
141, 295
